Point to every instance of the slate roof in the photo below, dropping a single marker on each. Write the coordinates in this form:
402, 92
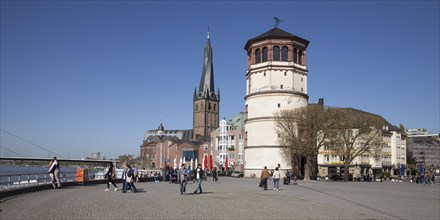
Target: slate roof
276, 33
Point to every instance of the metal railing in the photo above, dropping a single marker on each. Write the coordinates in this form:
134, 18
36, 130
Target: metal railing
13, 181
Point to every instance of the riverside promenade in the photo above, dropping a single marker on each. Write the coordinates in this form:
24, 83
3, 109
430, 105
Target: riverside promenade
231, 198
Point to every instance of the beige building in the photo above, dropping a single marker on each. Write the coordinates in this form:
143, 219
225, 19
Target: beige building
276, 79
393, 155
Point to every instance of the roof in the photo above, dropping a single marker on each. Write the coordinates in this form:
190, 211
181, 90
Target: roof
276, 33
357, 112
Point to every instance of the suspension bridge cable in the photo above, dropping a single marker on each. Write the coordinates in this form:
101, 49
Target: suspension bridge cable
11, 151
7, 132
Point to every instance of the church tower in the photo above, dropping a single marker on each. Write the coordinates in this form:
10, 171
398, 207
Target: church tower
276, 79
206, 102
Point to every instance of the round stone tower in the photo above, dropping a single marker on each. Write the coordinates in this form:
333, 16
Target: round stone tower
276, 79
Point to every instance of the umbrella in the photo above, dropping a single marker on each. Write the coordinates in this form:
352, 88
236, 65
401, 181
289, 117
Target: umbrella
205, 162
210, 162
196, 163
402, 170
421, 169
175, 163
226, 164
180, 164
191, 165
184, 160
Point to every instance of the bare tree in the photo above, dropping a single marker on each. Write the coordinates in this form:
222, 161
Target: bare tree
357, 133
303, 131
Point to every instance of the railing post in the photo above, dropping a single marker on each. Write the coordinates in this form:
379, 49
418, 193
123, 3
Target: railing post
28, 179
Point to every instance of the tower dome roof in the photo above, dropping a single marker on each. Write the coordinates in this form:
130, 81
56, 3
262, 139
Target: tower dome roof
276, 33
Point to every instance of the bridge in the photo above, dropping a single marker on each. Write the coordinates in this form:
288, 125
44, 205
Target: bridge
230, 198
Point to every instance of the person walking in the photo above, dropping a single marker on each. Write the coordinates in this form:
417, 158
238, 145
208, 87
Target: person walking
52, 175
182, 174
55, 169
198, 176
215, 174
128, 179
264, 176
276, 179
111, 177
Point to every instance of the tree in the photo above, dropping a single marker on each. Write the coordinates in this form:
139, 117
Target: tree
357, 133
302, 132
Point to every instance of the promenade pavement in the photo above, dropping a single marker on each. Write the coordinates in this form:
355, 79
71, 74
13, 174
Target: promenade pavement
231, 198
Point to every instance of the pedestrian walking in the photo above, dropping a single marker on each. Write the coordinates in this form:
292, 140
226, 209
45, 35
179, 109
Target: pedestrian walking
52, 175
110, 175
182, 175
128, 179
276, 179
55, 169
198, 175
215, 174
263, 178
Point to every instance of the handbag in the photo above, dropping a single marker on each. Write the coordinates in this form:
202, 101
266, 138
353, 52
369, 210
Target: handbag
129, 179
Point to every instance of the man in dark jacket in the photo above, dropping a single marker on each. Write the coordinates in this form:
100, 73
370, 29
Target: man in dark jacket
198, 176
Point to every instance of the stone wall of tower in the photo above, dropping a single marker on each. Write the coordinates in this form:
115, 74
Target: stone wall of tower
205, 117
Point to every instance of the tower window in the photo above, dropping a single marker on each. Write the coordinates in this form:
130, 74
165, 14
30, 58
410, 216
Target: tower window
264, 73
300, 56
264, 54
279, 105
281, 86
295, 55
257, 56
285, 73
302, 90
284, 55
276, 53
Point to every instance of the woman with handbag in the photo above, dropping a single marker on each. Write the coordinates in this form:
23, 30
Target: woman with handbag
129, 179
111, 177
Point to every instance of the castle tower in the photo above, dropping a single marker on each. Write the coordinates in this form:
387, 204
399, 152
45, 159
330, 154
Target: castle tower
276, 79
206, 103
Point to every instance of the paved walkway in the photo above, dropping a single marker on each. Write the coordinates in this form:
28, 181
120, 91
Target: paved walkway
231, 198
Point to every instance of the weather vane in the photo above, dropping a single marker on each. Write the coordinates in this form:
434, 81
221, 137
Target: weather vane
277, 21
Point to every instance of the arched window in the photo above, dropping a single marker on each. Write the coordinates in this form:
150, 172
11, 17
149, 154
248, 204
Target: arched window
300, 56
257, 56
264, 54
284, 55
276, 53
295, 55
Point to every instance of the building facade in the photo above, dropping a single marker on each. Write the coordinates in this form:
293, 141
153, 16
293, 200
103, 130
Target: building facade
276, 79
425, 147
392, 155
228, 141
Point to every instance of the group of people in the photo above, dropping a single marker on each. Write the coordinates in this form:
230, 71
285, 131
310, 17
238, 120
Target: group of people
275, 175
129, 176
182, 176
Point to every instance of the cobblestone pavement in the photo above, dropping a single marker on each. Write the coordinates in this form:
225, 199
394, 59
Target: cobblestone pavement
231, 198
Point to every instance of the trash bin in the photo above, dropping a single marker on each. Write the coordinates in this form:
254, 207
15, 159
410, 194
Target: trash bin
81, 175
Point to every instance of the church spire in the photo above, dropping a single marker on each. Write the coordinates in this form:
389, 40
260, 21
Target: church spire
206, 88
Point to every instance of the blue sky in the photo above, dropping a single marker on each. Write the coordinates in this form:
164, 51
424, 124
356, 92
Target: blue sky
92, 76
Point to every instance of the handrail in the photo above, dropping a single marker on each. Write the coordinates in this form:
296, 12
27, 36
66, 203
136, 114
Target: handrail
13, 181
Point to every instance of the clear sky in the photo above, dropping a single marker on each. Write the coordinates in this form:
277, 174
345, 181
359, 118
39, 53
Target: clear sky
92, 76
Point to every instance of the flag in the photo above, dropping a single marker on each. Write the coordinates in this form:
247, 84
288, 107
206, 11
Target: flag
226, 164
